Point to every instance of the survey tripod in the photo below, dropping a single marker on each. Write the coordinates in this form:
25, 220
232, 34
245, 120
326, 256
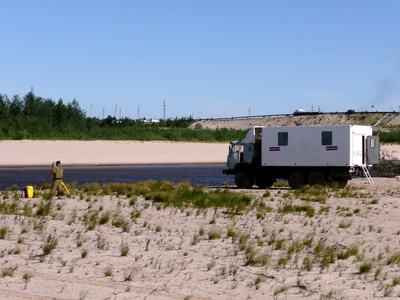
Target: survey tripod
51, 172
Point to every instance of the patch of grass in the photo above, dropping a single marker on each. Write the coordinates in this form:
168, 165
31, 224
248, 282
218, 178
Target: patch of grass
365, 268
351, 251
252, 257
214, 234
90, 188
90, 219
7, 272
119, 222
104, 218
315, 193
394, 259
108, 272
124, 249
101, 242
344, 224
44, 208
3, 232
232, 233
49, 244
289, 208
211, 264
27, 276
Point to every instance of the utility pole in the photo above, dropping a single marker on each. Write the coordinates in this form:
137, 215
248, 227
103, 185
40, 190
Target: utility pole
138, 112
120, 114
91, 109
32, 89
103, 113
116, 110
164, 106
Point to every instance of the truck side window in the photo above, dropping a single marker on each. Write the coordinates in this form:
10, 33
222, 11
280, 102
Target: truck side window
326, 138
372, 143
283, 138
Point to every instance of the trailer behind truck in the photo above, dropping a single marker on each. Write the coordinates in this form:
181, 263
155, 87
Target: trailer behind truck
302, 155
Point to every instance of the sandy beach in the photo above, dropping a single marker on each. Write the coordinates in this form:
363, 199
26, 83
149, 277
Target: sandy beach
91, 153
341, 244
97, 153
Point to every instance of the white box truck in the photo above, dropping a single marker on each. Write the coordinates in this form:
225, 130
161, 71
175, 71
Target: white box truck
302, 155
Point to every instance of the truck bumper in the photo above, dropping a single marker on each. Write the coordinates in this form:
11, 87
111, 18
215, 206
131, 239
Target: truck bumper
228, 172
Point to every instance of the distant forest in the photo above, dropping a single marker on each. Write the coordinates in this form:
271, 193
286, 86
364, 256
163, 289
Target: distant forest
34, 117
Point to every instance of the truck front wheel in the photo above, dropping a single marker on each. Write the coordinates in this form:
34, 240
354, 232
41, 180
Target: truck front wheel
296, 179
244, 180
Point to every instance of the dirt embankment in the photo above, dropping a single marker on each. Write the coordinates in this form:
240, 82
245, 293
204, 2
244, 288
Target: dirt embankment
378, 121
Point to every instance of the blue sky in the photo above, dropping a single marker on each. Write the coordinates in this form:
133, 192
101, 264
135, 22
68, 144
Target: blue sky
204, 58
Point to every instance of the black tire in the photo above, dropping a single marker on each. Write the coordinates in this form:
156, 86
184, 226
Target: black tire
263, 181
296, 179
316, 177
244, 180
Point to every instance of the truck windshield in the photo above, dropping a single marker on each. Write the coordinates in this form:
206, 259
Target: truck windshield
235, 148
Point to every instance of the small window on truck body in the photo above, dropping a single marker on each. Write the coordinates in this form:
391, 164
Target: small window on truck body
372, 143
326, 138
283, 138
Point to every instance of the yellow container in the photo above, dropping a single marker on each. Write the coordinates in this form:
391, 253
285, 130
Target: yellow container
28, 191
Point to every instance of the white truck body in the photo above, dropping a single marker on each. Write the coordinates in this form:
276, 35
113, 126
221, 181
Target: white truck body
302, 154
306, 147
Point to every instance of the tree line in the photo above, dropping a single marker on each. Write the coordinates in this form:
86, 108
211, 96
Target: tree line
33, 117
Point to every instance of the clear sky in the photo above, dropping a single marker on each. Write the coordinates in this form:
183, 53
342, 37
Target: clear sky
204, 58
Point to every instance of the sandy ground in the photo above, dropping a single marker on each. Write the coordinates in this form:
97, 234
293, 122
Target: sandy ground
172, 255
70, 153
43, 153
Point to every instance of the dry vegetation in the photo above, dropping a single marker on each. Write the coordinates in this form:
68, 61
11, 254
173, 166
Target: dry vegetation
163, 240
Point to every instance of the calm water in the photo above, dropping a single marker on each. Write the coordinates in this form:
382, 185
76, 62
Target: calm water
207, 175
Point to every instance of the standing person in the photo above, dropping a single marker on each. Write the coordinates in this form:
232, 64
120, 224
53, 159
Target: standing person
58, 172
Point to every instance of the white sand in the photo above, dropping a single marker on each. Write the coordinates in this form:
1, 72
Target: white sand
43, 153
169, 258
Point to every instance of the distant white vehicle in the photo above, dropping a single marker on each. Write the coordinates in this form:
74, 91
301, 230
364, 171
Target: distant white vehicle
150, 121
299, 111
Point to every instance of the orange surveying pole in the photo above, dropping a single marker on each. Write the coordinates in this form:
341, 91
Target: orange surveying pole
65, 188
43, 184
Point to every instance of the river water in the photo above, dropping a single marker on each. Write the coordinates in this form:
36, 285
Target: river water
207, 175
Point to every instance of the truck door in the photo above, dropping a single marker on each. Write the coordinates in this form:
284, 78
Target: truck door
372, 150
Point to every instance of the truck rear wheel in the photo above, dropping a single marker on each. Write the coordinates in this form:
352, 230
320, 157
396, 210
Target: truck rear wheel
316, 177
296, 179
244, 180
